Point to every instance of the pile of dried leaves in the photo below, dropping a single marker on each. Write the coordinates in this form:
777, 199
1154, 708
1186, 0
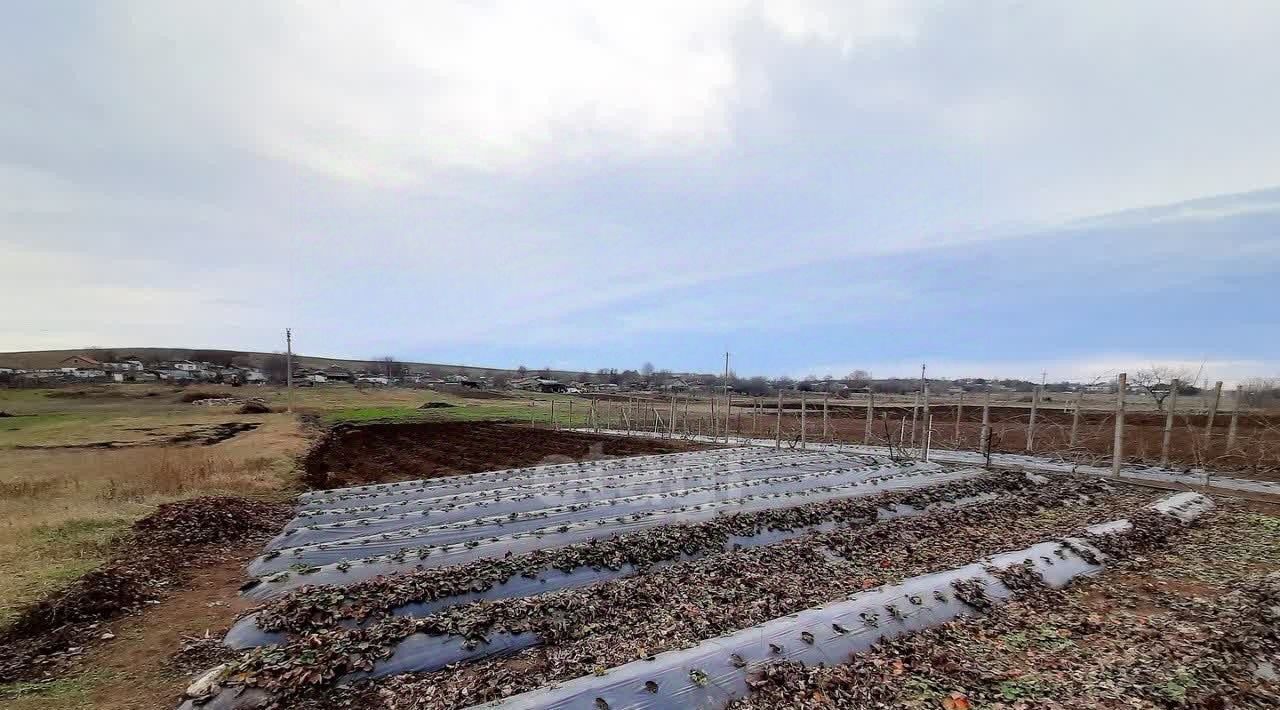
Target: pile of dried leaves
585, 630
1193, 625
209, 520
158, 552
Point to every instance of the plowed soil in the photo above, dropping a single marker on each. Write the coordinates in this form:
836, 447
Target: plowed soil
383, 452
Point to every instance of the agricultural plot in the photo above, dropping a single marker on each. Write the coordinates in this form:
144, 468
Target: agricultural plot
665, 581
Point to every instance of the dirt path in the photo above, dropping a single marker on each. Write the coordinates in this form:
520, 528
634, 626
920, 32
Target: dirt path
143, 662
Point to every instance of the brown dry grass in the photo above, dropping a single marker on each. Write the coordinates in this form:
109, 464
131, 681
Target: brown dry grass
61, 507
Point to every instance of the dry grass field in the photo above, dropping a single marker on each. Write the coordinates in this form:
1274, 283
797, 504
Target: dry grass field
78, 465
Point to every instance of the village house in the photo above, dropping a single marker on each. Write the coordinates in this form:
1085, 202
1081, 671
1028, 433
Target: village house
76, 362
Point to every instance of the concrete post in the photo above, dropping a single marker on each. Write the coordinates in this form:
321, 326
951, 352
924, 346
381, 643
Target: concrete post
1117, 448
1168, 423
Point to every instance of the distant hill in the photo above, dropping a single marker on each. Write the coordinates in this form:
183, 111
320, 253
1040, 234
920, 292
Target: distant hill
36, 359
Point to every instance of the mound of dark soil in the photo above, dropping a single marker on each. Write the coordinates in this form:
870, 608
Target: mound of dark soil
197, 395
437, 405
147, 563
381, 452
255, 406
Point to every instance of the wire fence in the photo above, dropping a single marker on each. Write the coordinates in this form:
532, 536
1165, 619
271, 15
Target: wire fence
1196, 434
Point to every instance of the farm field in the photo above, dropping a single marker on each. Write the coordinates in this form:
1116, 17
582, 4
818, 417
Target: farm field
366, 553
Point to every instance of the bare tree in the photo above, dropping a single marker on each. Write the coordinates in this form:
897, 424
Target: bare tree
389, 366
647, 370
1157, 382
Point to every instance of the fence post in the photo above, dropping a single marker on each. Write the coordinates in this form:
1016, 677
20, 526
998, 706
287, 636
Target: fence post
1117, 448
552, 415
671, 428
1168, 423
871, 413
778, 444
804, 441
928, 434
715, 420
984, 439
1075, 419
1031, 423
1235, 417
755, 416
728, 415
571, 414
1213, 412
687, 397
826, 436
915, 410
959, 414
533, 410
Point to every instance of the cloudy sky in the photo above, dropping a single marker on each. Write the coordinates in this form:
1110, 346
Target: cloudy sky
1001, 187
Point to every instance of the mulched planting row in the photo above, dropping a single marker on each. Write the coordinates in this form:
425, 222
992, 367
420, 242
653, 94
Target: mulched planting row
1192, 625
152, 558
590, 629
315, 608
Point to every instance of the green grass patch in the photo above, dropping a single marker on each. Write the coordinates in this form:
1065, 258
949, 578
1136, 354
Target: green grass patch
64, 552
359, 415
68, 692
471, 412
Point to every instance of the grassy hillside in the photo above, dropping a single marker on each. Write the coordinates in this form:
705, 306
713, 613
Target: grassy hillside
34, 359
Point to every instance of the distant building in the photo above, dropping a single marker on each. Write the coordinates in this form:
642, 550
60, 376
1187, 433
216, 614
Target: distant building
88, 373
187, 366
76, 362
373, 380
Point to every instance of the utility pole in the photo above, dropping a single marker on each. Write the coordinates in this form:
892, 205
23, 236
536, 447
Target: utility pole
288, 365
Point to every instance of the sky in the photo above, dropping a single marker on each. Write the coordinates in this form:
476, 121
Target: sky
1000, 189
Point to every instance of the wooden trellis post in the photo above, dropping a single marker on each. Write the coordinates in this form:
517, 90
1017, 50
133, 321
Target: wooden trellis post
984, 439
1117, 447
671, 433
1075, 419
915, 409
777, 444
804, 443
1031, 423
1213, 412
826, 436
1235, 418
871, 414
959, 415
1174, 386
